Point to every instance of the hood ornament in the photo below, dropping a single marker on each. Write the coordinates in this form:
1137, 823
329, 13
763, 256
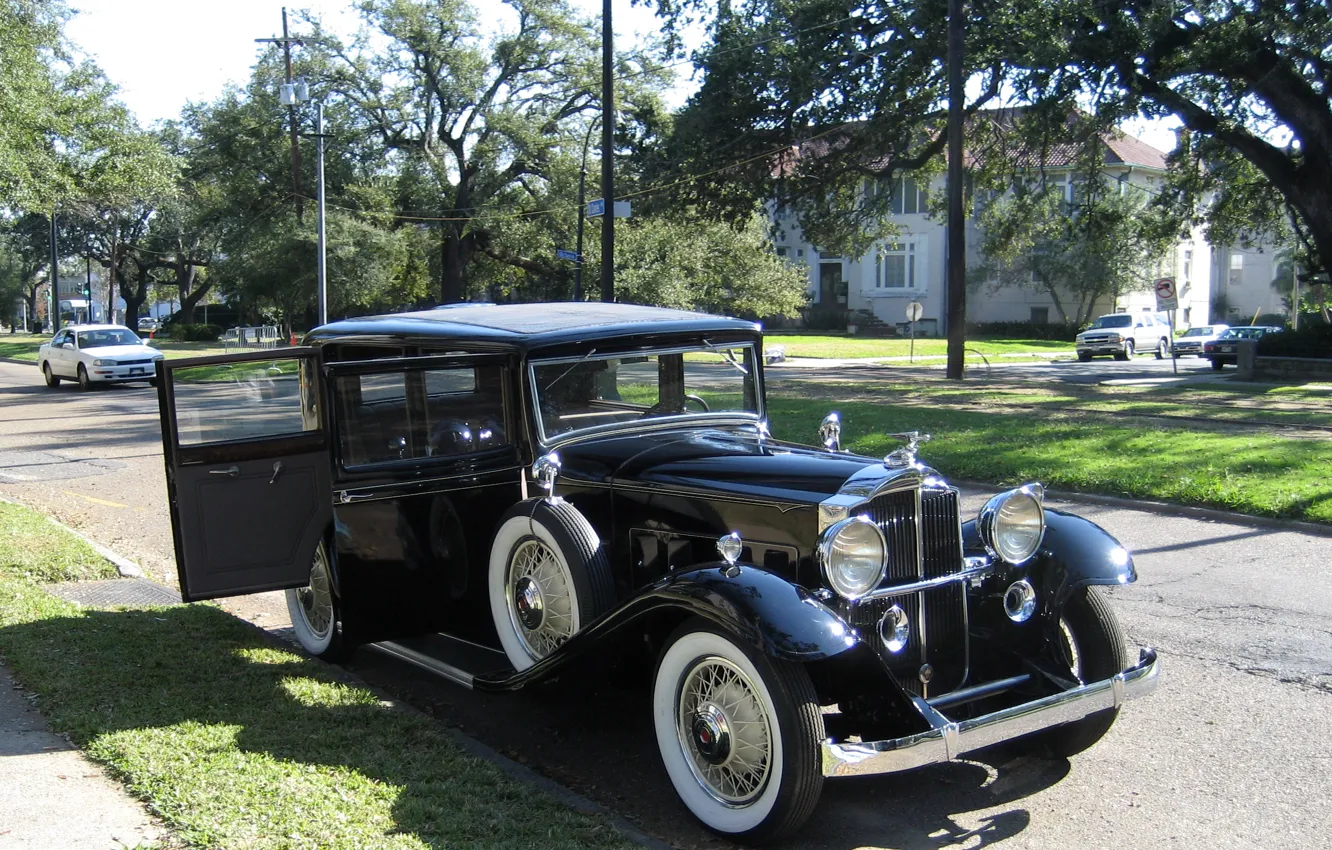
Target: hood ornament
830, 433
906, 455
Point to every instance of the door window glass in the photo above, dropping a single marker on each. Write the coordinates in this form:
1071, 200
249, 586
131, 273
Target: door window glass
414, 414
243, 401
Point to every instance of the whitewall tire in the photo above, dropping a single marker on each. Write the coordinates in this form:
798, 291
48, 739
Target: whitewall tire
548, 578
316, 616
738, 734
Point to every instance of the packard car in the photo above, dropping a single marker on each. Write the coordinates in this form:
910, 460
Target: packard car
494, 492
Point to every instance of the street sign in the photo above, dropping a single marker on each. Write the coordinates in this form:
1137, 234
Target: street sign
566, 254
914, 311
1166, 297
598, 208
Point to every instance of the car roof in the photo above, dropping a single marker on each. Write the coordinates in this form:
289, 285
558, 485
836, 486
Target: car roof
533, 325
95, 328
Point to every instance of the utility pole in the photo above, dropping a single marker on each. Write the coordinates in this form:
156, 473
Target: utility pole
582, 212
55, 276
957, 242
323, 264
607, 155
286, 41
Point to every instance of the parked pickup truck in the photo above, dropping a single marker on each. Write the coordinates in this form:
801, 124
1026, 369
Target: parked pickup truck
1122, 334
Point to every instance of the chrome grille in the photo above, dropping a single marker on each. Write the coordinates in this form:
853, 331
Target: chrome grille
924, 535
895, 514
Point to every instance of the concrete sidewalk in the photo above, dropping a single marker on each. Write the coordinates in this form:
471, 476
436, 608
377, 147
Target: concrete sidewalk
51, 797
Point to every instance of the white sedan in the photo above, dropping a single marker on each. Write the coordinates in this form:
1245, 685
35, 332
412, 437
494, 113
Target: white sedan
93, 354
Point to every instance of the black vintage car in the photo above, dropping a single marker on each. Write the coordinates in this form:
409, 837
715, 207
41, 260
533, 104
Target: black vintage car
496, 492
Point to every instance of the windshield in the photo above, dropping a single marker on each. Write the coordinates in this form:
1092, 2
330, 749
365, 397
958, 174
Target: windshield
1111, 322
1197, 332
599, 390
107, 336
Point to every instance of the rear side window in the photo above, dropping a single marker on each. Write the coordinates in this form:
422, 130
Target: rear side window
419, 414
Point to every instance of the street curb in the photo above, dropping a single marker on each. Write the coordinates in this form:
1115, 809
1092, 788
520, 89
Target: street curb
17, 361
1167, 509
123, 565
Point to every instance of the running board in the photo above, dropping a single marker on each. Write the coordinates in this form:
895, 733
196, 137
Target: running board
454, 659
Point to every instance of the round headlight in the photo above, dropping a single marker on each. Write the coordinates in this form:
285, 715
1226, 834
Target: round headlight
1012, 524
853, 554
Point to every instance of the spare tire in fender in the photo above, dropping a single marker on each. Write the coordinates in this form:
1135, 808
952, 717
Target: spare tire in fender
549, 576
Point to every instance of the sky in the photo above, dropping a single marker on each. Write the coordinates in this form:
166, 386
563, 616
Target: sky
164, 53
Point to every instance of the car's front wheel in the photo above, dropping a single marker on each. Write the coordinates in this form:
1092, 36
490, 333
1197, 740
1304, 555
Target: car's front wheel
1084, 356
316, 616
549, 577
738, 734
1092, 646
51, 378
85, 382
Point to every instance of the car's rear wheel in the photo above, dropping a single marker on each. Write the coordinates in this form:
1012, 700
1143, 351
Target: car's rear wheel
85, 382
316, 616
1161, 349
549, 577
52, 379
1092, 646
738, 733
1217, 365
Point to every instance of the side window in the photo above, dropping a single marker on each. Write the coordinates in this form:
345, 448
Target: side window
464, 410
255, 399
374, 423
419, 413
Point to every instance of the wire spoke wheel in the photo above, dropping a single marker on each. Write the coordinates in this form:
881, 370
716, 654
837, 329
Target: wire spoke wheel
725, 730
316, 598
540, 599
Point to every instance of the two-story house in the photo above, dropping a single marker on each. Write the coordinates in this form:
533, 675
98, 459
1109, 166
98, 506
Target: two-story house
911, 266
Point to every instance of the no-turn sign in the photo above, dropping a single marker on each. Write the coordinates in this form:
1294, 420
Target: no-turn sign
1166, 297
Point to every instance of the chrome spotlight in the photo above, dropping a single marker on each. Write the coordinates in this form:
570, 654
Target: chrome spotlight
1020, 601
894, 629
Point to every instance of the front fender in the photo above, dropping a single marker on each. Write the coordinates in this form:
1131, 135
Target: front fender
1076, 552
778, 618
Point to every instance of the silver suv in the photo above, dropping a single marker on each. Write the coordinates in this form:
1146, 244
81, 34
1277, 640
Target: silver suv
1123, 334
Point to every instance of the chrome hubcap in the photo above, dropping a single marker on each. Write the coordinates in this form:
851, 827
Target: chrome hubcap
528, 603
540, 598
724, 731
316, 598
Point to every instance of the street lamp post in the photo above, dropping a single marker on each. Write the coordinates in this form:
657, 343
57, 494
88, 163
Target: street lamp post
299, 92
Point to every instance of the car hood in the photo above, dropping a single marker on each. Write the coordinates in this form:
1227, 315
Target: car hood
713, 460
121, 352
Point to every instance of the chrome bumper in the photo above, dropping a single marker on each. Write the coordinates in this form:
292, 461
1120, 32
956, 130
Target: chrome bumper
948, 739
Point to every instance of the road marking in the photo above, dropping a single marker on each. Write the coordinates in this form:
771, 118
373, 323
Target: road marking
95, 500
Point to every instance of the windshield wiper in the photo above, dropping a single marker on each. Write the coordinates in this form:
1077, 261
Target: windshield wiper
727, 354
563, 374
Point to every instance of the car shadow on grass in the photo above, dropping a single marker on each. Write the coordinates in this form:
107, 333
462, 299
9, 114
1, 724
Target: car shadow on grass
238, 742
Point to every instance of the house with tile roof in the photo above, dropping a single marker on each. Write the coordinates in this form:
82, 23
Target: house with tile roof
911, 267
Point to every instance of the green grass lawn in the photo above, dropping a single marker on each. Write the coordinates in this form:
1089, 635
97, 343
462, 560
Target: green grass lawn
1250, 470
24, 347
841, 347
234, 742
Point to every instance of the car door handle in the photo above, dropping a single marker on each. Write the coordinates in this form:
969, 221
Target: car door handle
231, 471
277, 470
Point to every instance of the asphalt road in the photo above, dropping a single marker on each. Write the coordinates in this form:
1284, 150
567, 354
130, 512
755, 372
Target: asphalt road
1231, 751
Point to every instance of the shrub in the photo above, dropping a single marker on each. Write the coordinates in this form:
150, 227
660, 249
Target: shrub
195, 333
1309, 341
826, 319
1023, 330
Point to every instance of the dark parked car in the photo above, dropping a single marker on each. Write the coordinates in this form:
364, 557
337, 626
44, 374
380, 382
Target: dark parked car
1225, 348
496, 492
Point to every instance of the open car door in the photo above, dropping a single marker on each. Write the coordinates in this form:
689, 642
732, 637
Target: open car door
245, 440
